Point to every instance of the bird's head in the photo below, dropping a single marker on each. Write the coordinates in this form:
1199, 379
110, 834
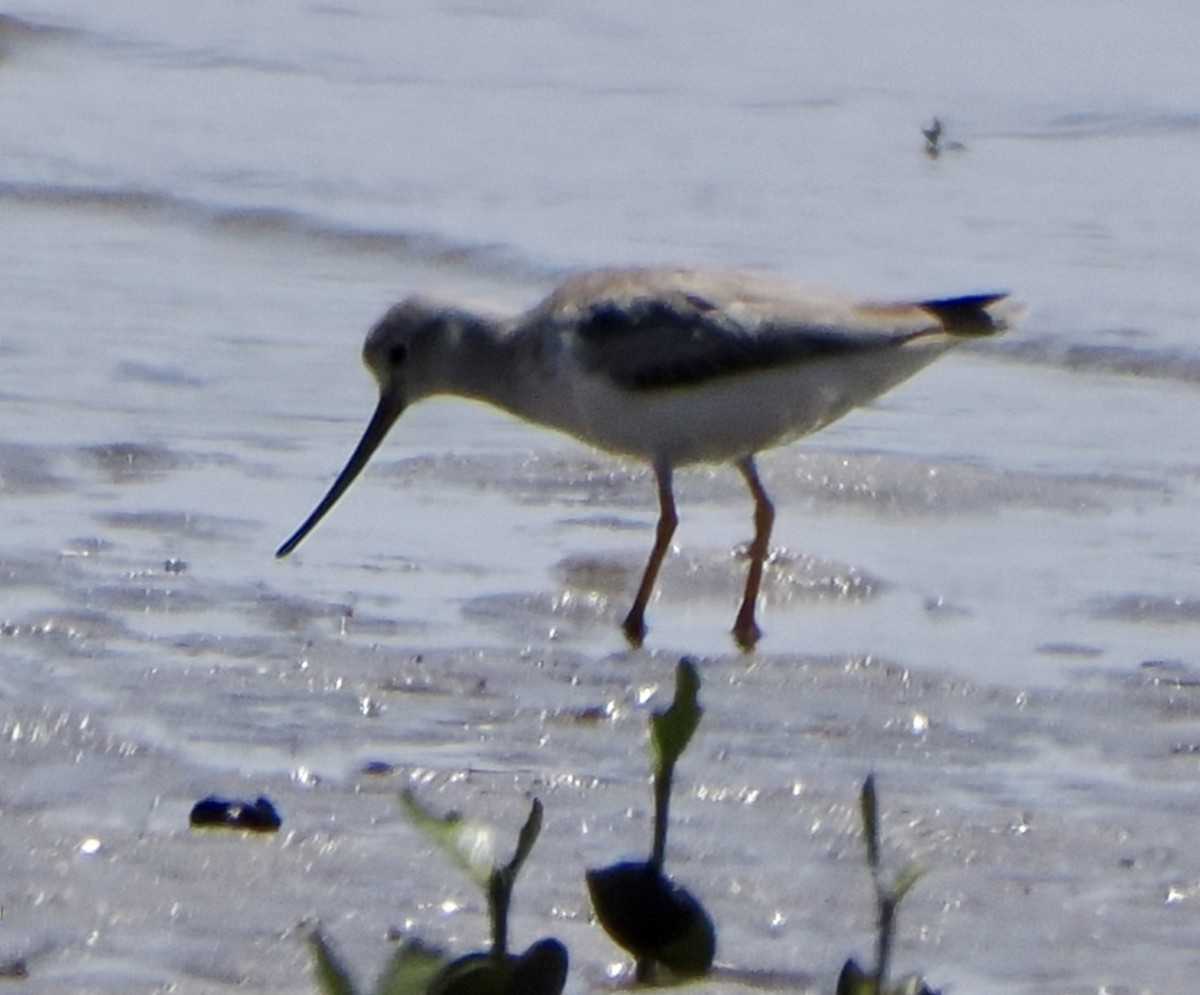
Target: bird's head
410, 352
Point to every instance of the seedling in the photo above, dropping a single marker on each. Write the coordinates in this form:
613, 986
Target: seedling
417, 970
661, 924
853, 979
407, 972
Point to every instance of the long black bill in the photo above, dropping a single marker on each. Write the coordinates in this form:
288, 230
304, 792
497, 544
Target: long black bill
386, 413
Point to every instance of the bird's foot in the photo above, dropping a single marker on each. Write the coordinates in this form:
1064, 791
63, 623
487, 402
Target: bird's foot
634, 628
746, 632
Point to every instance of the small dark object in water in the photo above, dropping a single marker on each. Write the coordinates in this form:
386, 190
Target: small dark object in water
258, 816
175, 566
15, 968
377, 768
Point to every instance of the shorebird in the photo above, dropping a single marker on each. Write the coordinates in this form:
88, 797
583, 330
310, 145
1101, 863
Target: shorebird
671, 366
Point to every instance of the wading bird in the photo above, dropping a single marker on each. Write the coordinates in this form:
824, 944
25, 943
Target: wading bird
671, 366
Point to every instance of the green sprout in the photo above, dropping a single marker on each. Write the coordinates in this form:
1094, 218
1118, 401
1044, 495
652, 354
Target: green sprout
853, 979
642, 910
670, 732
407, 972
417, 970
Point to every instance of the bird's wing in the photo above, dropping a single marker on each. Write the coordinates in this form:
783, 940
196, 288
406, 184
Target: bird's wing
645, 329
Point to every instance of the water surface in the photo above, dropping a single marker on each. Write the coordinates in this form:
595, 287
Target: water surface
986, 584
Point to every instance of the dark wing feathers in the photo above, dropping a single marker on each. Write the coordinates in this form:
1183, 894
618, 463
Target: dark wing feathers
677, 339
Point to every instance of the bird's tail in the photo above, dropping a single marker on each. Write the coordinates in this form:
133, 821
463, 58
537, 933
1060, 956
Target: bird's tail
975, 315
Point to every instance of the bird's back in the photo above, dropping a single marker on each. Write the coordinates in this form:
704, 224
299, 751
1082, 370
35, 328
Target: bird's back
648, 329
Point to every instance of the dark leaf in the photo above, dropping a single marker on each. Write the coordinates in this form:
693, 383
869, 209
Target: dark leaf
652, 918
333, 977
474, 974
409, 970
855, 981
541, 970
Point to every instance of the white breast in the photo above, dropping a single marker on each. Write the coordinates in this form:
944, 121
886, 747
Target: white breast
727, 417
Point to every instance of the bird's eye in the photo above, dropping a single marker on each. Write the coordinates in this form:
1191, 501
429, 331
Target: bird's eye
398, 354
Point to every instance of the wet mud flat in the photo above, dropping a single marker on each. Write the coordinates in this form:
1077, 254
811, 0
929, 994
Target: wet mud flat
154, 655
985, 591
1055, 827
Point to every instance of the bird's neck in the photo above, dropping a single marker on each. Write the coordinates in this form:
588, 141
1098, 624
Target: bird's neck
484, 365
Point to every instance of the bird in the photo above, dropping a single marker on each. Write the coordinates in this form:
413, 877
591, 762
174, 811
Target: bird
672, 366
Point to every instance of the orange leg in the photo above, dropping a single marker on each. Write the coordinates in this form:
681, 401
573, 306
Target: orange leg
634, 625
746, 632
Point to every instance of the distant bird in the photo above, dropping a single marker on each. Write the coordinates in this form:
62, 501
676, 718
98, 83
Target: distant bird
672, 366
933, 141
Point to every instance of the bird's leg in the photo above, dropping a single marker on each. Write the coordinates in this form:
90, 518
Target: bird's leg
745, 630
634, 625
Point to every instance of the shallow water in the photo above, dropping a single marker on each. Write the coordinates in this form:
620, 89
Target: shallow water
985, 588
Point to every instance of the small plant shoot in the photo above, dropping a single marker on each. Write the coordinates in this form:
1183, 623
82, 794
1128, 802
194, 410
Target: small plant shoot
661, 924
670, 732
408, 972
541, 970
853, 979
416, 970
463, 842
